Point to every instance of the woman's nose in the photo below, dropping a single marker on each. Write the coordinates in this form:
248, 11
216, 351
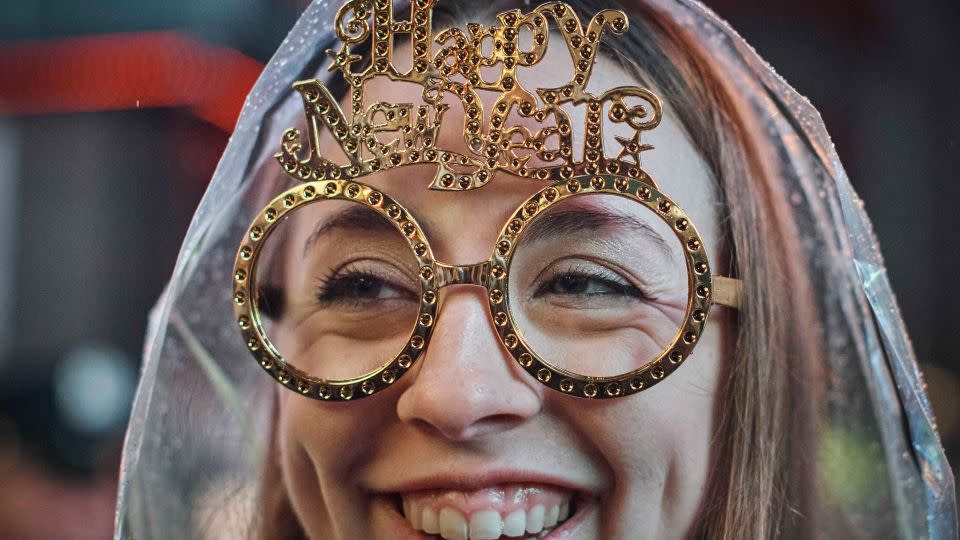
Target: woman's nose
467, 385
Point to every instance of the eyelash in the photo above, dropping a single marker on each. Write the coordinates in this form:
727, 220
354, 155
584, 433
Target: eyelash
620, 287
330, 285
327, 285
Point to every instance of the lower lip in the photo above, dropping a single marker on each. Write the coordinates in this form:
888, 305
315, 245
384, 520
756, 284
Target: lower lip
565, 531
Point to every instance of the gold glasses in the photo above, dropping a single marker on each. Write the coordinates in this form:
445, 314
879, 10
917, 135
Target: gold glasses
598, 287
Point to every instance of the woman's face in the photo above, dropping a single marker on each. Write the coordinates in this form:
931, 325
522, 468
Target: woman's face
467, 441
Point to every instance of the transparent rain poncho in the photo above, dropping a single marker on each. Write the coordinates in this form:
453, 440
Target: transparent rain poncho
202, 417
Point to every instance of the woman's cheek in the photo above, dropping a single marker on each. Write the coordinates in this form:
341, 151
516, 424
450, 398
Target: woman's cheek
657, 443
332, 435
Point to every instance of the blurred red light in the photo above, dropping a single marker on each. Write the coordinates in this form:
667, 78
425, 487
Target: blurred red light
126, 71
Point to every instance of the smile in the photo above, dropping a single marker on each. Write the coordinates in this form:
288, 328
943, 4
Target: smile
505, 511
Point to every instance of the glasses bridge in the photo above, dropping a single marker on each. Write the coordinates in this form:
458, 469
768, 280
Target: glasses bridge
467, 274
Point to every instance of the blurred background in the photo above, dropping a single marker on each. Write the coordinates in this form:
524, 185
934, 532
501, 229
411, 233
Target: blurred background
113, 115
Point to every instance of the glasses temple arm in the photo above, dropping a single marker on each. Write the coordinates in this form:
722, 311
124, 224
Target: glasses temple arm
727, 291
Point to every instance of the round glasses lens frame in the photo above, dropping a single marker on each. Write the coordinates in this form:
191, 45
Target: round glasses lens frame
246, 292
698, 299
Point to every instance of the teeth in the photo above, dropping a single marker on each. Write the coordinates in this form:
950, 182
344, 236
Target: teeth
535, 519
450, 524
414, 513
485, 525
430, 522
515, 524
551, 516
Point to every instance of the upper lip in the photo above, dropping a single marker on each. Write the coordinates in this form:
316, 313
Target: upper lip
478, 479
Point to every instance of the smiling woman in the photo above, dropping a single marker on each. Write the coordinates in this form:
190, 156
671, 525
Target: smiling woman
486, 308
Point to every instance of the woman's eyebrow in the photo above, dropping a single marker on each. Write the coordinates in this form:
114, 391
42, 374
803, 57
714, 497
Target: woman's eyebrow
358, 218
559, 223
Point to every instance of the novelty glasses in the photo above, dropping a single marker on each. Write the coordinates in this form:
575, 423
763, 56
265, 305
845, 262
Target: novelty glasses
598, 287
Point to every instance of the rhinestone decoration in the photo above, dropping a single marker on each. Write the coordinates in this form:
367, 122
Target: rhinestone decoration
389, 135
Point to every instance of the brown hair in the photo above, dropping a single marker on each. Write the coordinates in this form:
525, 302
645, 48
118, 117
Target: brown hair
762, 481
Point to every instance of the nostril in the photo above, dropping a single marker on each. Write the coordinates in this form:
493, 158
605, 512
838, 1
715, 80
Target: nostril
498, 422
460, 432
426, 427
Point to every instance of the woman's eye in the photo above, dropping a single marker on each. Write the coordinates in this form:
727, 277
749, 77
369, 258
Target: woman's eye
359, 287
582, 284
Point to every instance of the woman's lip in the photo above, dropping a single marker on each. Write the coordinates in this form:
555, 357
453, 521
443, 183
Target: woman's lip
475, 480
